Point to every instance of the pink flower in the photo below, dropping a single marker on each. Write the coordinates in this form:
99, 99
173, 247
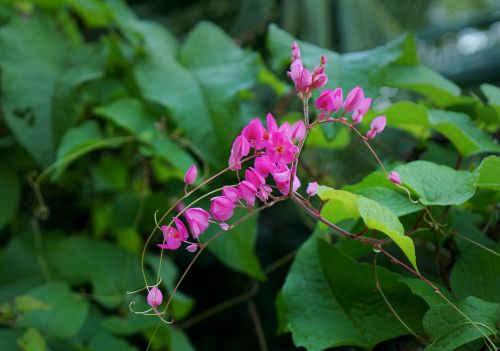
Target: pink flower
247, 192
280, 149
272, 126
281, 177
240, 148
263, 192
221, 208
300, 76
286, 129
191, 174
363, 107
312, 189
330, 101
354, 99
155, 297
231, 192
254, 177
376, 127
298, 131
264, 165
173, 237
395, 178
197, 219
254, 133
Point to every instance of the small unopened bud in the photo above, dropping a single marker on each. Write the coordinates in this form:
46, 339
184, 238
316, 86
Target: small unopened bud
395, 178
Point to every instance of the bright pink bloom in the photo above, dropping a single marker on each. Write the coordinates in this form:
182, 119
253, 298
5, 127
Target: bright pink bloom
281, 177
354, 99
263, 192
376, 127
286, 129
240, 148
298, 131
272, 126
231, 192
221, 208
363, 107
247, 192
171, 237
330, 101
280, 149
197, 219
190, 176
254, 133
192, 247
312, 189
155, 297
300, 76
264, 165
254, 177
395, 178
319, 81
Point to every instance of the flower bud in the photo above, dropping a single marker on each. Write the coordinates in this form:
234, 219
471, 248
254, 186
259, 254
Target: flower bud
395, 178
312, 189
155, 297
354, 99
221, 208
376, 127
191, 174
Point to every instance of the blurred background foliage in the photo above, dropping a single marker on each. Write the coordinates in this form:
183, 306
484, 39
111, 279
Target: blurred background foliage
105, 104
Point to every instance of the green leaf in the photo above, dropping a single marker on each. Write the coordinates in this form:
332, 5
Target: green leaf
32, 340
110, 269
130, 114
40, 74
340, 305
343, 205
437, 185
422, 289
488, 173
382, 219
235, 248
476, 274
105, 342
410, 117
78, 138
397, 203
26, 303
466, 137
422, 80
64, 316
449, 329
10, 188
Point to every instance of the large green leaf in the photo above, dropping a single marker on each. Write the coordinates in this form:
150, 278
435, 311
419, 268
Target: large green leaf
132, 115
457, 127
78, 138
436, 184
424, 81
450, 329
488, 173
343, 205
110, 269
330, 300
236, 247
40, 71
10, 188
399, 204
64, 315
200, 95
477, 274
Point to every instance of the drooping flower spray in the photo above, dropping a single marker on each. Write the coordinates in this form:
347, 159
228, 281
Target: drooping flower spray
265, 160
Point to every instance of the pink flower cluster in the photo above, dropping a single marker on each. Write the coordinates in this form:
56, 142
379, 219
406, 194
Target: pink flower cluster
331, 101
304, 80
274, 150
